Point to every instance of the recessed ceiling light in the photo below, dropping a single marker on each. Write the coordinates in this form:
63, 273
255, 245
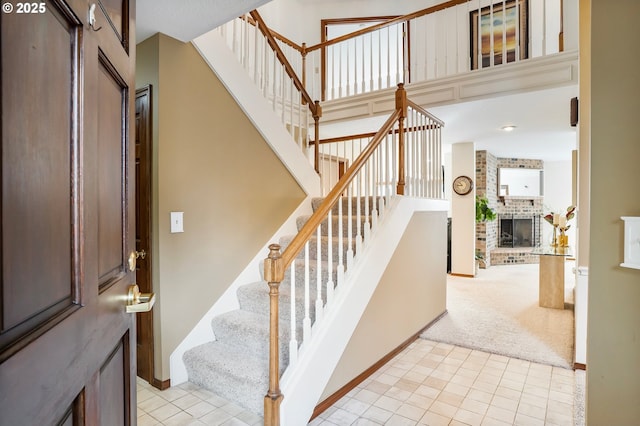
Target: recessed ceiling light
508, 128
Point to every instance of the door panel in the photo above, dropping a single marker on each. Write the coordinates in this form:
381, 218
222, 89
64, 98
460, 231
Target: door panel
116, 13
67, 346
114, 386
111, 121
37, 198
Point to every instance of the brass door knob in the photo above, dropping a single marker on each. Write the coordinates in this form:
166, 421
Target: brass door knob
139, 302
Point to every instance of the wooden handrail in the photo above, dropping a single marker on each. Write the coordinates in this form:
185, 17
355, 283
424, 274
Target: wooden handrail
277, 35
283, 60
372, 134
390, 22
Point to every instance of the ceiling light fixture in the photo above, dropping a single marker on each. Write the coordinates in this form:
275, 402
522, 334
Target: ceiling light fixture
508, 128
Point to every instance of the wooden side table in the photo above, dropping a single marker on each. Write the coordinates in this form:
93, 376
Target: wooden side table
551, 281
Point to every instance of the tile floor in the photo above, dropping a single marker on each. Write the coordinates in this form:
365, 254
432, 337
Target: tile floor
429, 383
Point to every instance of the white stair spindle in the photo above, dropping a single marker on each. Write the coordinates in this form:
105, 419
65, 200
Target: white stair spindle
371, 64
347, 69
350, 255
293, 342
362, 61
374, 189
274, 80
306, 322
358, 184
340, 270
330, 283
367, 225
340, 46
388, 57
319, 304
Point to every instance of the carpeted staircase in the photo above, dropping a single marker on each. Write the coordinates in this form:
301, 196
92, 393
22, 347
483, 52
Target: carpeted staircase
235, 365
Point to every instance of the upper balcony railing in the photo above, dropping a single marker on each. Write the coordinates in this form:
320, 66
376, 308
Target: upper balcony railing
450, 38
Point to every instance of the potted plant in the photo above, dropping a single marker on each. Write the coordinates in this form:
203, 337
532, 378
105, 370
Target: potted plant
484, 213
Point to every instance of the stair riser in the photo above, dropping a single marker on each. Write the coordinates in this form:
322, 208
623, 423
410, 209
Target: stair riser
260, 305
219, 381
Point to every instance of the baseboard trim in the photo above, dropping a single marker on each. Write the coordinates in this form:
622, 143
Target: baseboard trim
161, 384
462, 275
332, 399
579, 366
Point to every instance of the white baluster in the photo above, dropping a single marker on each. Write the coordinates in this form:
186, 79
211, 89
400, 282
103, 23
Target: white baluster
340, 269
371, 67
374, 189
293, 343
306, 322
388, 57
367, 225
358, 184
319, 304
330, 283
350, 255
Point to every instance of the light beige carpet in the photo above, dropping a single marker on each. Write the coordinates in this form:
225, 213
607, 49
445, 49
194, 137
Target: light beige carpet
498, 312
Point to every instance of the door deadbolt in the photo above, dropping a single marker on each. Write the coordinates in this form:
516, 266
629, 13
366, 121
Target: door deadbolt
133, 256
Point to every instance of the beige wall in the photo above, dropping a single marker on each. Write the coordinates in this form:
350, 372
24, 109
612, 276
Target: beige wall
411, 293
613, 351
212, 164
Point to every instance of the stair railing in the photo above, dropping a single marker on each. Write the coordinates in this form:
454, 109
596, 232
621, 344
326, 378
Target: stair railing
263, 58
423, 133
392, 162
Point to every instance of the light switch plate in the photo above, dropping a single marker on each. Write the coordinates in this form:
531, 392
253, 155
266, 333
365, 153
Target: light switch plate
631, 242
177, 224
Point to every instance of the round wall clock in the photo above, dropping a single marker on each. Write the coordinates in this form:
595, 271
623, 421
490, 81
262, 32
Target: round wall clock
462, 185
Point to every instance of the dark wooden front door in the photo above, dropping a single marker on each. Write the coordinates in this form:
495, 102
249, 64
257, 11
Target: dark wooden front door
67, 346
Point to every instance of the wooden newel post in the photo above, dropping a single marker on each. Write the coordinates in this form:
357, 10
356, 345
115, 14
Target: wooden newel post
316, 119
401, 105
273, 274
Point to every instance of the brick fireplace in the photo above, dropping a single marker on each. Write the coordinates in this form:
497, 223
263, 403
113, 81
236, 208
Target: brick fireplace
518, 211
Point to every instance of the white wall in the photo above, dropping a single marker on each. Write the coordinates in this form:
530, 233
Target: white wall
557, 196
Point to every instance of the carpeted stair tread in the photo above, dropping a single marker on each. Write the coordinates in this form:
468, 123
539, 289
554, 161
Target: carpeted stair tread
215, 366
249, 332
